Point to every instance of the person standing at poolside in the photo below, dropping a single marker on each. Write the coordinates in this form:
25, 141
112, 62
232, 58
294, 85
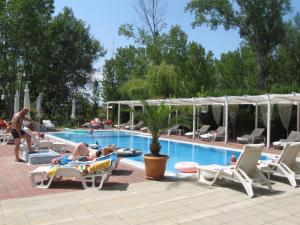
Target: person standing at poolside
18, 133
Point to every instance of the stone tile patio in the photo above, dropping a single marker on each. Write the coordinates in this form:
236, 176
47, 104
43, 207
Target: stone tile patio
166, 202
130, 199
15, 183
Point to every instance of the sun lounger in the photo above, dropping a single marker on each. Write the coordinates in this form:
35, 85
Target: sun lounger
48, 125
294, 136
285, 165
204, 129
245, 171
255, 136
82, 171
175, 130
6, 138
42, 143
123, 125
214, 135
144, 129
136, 126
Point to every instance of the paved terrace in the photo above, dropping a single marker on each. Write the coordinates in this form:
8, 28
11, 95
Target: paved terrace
130, 199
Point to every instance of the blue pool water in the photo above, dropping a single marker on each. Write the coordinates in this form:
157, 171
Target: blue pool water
177, 151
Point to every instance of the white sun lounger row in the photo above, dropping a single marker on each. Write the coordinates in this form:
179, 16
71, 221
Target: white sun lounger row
249, 170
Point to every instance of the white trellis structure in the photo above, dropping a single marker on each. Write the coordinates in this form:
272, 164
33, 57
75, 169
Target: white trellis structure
255, 100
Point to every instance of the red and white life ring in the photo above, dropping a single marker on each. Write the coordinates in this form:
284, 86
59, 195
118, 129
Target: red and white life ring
186, 167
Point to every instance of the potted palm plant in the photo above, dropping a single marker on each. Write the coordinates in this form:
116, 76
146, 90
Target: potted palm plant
156, 118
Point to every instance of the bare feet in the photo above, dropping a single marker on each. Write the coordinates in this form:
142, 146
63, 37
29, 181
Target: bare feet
19, 160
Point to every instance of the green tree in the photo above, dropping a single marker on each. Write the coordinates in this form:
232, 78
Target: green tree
260, 24
129, 63
164, 81
70, 61
237, 69
23, 34
286, 61
199, 69
95, 97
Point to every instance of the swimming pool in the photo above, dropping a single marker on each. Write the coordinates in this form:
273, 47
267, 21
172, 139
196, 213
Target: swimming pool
177, 151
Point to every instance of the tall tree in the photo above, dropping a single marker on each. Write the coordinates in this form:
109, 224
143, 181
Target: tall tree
152, 14
286, 63
23, 36
95, 97
260, 23
237, 69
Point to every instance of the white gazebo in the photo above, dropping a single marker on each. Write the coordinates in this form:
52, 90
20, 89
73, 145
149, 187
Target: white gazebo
225, 101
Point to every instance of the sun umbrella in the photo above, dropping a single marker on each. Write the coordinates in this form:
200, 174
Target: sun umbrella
73, 109
27, 100
17, 102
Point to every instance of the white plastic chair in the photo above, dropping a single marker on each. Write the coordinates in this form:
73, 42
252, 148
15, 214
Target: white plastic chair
245, 171
48, 125
286, 165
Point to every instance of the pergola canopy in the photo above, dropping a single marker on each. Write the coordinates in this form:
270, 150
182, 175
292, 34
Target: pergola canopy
293, 98
255, 100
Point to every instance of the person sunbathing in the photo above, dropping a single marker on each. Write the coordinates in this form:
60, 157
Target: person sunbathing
83, 153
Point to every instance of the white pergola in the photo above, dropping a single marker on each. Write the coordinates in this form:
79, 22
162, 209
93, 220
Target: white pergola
225, 101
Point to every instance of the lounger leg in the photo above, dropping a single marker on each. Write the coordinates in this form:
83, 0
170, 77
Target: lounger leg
83, 183
43, 179
247, 185
202, 179
248, 188
264, 180
103, 178
288, 174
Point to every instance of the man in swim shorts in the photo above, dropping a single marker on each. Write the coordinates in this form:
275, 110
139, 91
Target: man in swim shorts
18, 133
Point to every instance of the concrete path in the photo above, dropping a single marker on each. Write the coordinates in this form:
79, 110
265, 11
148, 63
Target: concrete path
151, 202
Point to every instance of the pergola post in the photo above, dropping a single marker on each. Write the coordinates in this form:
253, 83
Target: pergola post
169, 118
107, 105
119, 113
194, 117
256, 115
269, 122
226, 121
132, 116
298, 116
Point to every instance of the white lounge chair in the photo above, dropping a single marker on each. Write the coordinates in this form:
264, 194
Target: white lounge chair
175, 129
245, 171
48, 125
252, 138
42, 143
204, 129
6, 138
135, 126
294, 136
286, 164
38, 143
214, 135
123, 125
102, 168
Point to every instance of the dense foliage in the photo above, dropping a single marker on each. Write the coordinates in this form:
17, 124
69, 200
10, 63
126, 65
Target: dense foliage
165, 64
54, 55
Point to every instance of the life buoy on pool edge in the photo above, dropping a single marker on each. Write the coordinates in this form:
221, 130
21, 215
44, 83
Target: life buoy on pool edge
186, 167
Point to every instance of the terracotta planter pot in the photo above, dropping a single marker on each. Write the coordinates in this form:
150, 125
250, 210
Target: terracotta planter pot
155, 166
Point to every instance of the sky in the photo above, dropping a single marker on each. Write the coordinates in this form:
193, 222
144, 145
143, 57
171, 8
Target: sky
105, 17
